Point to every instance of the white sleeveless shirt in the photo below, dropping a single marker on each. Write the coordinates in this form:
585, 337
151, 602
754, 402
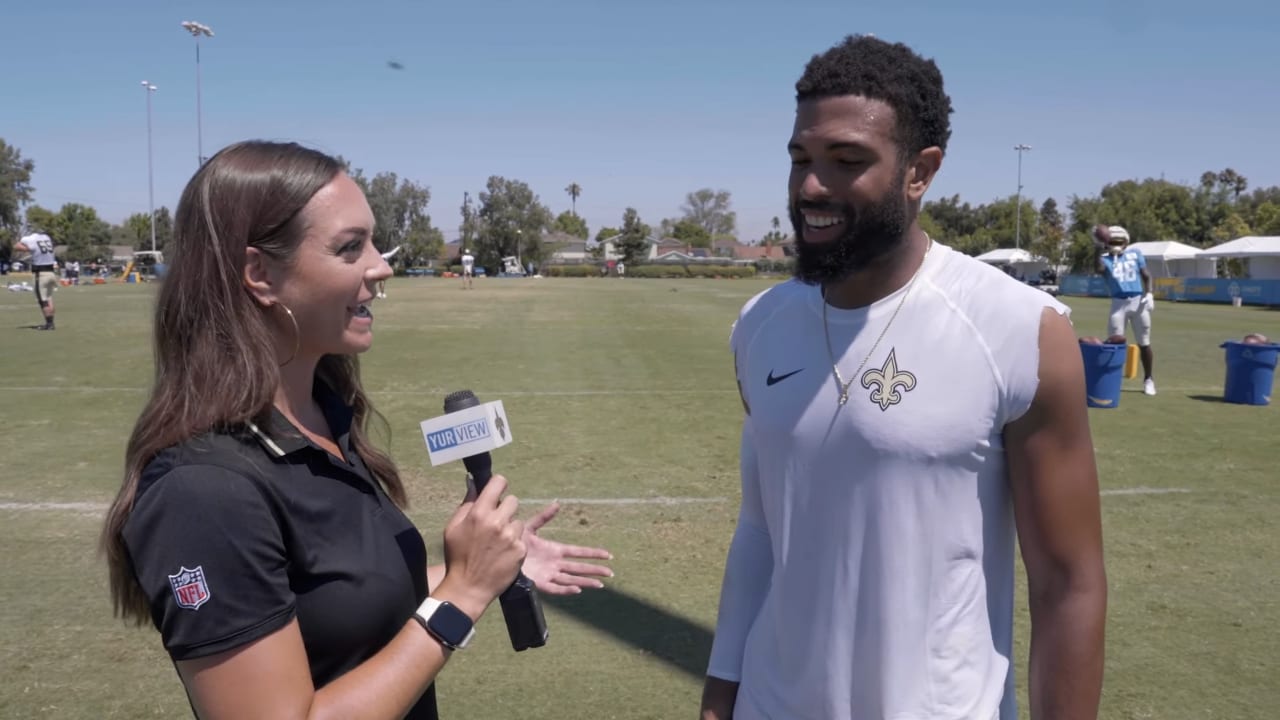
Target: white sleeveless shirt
889, 520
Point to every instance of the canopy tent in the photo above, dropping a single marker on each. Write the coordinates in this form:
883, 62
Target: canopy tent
1022, 262
1006, 256
1263, 254
1245, 247
1169, 258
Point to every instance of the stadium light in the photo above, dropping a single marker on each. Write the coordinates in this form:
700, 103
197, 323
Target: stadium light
197, 31
151, 193
1017, 231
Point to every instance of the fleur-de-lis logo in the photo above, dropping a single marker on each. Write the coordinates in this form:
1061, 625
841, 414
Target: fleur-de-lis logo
886, 382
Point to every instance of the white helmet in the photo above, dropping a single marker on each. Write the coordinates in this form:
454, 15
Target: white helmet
1119, 239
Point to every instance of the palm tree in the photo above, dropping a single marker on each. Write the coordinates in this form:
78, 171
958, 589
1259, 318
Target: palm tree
574, 191
776, 235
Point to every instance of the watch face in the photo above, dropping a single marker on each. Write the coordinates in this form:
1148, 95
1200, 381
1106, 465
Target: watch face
450, 624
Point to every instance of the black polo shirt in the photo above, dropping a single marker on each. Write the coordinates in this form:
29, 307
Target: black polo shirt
234, 533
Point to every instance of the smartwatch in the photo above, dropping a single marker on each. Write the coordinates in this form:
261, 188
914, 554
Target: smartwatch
446, 623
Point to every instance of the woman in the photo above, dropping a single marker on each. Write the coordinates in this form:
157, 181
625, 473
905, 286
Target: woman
257, 526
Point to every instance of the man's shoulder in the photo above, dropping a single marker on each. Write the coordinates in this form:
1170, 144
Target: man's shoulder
972, 281
766, 304
988, 298
774, 297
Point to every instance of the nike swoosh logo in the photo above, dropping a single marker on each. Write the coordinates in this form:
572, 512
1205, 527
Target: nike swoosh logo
771, 380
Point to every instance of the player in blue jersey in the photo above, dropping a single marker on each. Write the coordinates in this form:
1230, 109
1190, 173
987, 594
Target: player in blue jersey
1131, 300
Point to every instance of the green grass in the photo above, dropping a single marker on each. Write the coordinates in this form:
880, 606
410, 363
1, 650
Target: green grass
624, 389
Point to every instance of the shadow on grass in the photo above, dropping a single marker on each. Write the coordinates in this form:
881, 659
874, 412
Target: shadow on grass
676, 640
1208, 398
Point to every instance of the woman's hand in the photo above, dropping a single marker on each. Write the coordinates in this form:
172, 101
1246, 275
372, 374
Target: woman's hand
483, 549
552, 566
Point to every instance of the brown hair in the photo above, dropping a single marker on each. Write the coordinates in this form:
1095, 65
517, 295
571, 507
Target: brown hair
209, 329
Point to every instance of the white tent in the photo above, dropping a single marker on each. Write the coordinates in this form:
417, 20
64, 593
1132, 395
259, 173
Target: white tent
1263, 254
1023, 264
1169, 258
1007, 256
1245, 247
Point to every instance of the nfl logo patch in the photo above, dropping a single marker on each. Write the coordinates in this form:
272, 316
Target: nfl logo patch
189, 588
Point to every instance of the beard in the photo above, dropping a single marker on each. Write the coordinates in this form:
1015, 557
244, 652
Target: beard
868, 237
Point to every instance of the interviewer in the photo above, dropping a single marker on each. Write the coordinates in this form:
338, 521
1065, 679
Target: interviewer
257, 527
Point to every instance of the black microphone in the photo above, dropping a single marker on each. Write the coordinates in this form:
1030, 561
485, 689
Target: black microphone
520, 605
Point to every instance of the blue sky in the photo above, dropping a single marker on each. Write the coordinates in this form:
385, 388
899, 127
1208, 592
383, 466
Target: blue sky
638, 102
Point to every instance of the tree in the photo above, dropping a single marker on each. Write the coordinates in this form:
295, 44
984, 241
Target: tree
1266, 219
775, 235
1050, 233
570, 224
137, 230
400, 216
15, 190
513, 222
1233, 182
710, 209
75, 226
605, 233
38, 218
952, 219
1231, 228
470, 223
422, 242
633, 243
931, 227
691, 233
574, 190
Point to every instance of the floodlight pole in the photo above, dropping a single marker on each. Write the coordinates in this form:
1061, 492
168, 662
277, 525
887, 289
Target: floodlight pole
1017, 231
151, 193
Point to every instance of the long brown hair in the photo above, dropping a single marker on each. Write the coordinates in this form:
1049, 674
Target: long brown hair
215, 363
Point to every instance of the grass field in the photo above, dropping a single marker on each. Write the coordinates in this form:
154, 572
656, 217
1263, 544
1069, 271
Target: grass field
624, 390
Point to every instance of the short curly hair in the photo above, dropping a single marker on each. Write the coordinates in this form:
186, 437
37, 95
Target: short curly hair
891, 72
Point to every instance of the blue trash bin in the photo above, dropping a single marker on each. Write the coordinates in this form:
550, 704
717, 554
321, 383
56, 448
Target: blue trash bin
1103, 373
1251, 369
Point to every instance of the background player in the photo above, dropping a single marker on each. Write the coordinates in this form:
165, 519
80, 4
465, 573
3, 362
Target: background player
1125, 269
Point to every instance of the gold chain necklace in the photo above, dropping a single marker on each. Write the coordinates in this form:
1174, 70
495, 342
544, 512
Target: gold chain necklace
844, 386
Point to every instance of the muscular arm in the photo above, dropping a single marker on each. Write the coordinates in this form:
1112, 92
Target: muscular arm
1054, 483
746, 580
1146, 281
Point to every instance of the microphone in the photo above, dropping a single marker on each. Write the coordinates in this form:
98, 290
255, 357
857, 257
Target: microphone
468, 430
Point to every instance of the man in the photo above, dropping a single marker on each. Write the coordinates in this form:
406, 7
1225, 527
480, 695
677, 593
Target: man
468, 269
907, 408
1125, 269
44, 265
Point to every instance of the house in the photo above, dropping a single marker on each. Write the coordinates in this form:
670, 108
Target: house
725, 247
564, 248
759, 252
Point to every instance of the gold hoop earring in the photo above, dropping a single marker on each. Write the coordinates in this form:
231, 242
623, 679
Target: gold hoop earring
297, 334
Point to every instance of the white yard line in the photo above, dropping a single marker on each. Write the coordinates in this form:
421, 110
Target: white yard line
90, 507
85, 507
629, 501
1145, 491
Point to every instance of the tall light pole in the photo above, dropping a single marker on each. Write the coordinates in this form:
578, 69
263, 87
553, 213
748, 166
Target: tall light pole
197, 30
151, 193
1017, 232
